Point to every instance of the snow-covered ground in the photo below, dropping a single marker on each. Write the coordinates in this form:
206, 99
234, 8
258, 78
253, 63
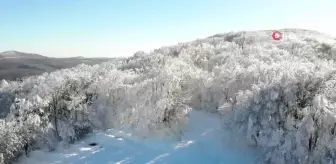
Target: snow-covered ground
203, 142
279, 95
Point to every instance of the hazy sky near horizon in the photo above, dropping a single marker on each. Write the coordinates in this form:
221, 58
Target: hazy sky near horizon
114, 28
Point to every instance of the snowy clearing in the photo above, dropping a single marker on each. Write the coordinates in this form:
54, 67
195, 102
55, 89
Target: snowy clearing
202, 143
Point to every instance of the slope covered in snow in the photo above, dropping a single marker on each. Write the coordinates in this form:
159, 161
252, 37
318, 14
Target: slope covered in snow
201, 143
278, 95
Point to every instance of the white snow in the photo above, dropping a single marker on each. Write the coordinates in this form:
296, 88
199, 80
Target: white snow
279, 95
203, 142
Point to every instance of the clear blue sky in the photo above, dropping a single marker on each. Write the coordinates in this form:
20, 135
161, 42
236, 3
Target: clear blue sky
92, 28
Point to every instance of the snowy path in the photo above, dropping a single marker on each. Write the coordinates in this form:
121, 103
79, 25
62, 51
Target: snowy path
202, 143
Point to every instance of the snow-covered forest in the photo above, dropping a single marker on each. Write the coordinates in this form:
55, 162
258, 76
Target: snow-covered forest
278, 94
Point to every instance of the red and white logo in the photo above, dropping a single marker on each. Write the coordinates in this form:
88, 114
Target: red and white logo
277, 35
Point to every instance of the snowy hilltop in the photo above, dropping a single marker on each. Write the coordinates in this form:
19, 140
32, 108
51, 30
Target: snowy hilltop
278, 95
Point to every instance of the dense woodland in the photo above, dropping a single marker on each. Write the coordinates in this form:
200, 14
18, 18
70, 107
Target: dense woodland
278, 94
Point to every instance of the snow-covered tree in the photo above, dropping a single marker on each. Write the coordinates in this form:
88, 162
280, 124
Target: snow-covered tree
278, 94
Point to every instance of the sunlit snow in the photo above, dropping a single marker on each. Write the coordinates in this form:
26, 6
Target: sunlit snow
278, 95
202, 142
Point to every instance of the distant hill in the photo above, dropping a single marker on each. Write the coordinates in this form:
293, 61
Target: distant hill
14, 64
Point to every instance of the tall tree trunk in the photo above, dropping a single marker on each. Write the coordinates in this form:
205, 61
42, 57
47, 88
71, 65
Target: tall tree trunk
56, 124
55, 113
